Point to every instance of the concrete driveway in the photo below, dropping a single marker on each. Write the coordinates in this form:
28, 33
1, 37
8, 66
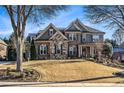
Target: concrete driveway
6, 62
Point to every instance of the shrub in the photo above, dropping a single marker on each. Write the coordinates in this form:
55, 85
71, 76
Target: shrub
120, 74
8, 69
15, 74
90, 59
23, 75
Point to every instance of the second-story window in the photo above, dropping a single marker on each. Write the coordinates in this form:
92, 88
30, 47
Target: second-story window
72, 36
75, 37
43, 49
95, 38
101, 37
89, 38
50, 32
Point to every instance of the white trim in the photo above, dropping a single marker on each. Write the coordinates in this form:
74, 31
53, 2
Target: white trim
81, 24
71, 48
47, 29
73, 35
72, 24
43, 48
60, 34
44, 31
50, 32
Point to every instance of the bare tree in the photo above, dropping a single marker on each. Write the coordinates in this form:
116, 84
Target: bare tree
112, 16
119, 36
19, 15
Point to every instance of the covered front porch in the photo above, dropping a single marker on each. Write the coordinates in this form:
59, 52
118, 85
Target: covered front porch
86, 51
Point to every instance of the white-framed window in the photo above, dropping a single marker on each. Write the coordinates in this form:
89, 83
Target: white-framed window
72, 50
58, 48
89, 37
95, 38
50, 32
75, 37
43, 49
101, 37
72, 36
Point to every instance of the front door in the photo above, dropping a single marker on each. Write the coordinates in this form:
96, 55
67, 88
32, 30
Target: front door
86, 52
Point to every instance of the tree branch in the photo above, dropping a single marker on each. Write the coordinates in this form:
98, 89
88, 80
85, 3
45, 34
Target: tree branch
9, 10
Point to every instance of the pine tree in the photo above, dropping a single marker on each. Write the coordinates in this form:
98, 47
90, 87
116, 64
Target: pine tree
32, 50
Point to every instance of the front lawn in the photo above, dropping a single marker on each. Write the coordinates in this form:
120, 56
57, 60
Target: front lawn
72, 71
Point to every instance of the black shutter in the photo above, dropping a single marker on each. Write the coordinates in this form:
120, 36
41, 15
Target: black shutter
47, 48
55, 49
61, 48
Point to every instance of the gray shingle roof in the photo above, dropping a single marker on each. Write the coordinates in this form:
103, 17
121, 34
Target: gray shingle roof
76, 25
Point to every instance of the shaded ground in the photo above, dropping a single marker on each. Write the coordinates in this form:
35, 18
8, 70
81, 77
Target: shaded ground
72, 71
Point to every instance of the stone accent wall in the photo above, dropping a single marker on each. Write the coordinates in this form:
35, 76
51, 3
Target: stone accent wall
39, 55
3, 51
58, 39
64, 51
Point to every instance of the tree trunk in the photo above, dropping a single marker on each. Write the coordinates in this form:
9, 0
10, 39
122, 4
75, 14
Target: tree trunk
19, 51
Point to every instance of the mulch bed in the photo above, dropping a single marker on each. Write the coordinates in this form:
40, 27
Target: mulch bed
25, 76
113, 63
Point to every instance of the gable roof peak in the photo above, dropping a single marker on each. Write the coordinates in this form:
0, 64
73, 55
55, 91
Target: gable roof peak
51, 24
78, 21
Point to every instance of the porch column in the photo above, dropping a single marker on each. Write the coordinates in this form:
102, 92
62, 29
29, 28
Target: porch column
79, 51
92, 51
36, 46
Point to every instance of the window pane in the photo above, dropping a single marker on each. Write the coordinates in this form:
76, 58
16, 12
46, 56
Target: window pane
41, 51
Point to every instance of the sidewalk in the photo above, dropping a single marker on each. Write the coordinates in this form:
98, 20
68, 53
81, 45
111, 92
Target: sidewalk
51, 84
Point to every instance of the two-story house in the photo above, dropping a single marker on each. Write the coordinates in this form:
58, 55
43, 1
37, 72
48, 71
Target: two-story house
75, 41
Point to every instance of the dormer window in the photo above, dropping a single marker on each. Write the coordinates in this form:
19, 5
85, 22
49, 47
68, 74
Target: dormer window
50, 32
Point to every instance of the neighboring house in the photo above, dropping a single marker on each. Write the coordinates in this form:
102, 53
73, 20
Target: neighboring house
118, 54
3, 50
75, 41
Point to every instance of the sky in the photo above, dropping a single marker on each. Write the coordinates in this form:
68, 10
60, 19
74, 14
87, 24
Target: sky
63, 19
